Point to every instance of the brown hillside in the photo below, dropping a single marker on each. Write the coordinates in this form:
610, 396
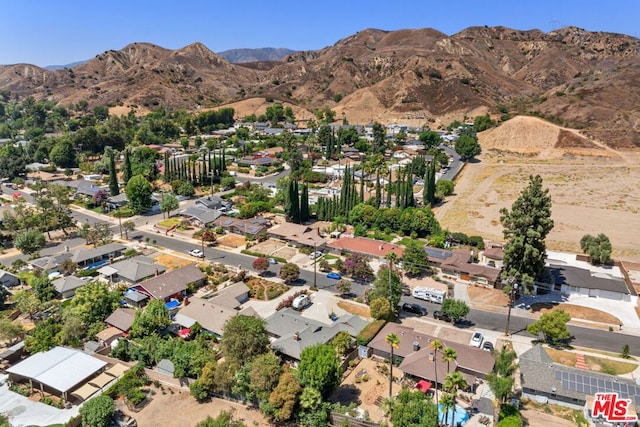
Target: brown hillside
572, 77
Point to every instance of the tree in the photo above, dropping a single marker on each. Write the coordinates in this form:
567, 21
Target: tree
100, 197
153, 319
185, 189
414, 259
168, 203
447, 400
93, 302
97, 412
388, 285
26, 302
260, 264
624, 353
467, 146
228, 183
525, 228
289, 272
500, 386
342, 342
44, 336
128, 226
97, 235
381, 309
245, 338
10, 330
455, 309
139, 192
437, 347
414, 409
114, 189
553, 326
285, 396
63, 154
445, 187
431, 139
29, 242
127, 174
394, 342
449, 355
357, 266
319, 368
224, 419
343, 286
597, 247
264, 373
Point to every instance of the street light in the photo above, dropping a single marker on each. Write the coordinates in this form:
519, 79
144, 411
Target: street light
512, 294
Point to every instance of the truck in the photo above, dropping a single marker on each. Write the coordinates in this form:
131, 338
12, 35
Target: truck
429, 294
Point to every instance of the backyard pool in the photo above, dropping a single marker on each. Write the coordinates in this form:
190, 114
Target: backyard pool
459, 417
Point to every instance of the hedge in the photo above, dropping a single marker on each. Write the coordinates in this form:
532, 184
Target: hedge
370, 331
259, 255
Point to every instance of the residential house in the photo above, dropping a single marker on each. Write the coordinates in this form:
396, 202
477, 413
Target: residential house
66, 286
50, 264
458, 263
298, 235
545, 380
102, 254
132, 270
172, 285
8, 280
134, 298
365, 246
232, 296
291, 332
211, 316
121, 319
419, 361
200, 216
117, 201
211, 202
492, 256
602, 283
247, 227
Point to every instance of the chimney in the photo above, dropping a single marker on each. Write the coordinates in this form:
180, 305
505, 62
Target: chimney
416, 346
110, 260
185, 301
431, 358
471, 256
155, 273
296, 337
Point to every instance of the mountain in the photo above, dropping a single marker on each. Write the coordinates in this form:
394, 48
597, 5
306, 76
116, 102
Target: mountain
240, 56
576, 78
61, 67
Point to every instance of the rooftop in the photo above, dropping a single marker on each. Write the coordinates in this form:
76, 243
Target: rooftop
171, 283
366, 246
582, 278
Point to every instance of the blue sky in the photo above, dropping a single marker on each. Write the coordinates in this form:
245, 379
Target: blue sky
47, 32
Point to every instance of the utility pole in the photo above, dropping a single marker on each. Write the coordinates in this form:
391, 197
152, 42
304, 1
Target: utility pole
512, 293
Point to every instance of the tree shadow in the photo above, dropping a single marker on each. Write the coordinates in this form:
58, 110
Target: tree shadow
347, 394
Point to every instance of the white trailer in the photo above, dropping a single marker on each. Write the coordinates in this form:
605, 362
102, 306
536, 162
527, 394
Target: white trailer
430, 294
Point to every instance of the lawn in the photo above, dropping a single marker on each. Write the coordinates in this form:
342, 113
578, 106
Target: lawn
596, 364
168, 223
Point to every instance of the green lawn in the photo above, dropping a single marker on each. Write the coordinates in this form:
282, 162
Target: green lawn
168, 223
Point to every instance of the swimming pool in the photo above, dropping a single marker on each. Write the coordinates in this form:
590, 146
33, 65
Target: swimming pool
460, 416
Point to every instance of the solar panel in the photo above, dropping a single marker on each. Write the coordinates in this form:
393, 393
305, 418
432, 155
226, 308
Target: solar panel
600, 383
579, 379
565, 376
560, 375
572, 377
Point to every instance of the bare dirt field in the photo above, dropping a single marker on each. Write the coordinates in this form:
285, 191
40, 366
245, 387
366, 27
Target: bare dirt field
231, 240
577, 312
357, 309
178, 408
268, 247
172, 261
594, 189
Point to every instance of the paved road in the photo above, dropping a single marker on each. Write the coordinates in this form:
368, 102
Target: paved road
455, 165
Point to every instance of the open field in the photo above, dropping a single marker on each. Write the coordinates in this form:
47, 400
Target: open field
172, 262
231, 240
577, 312
593, 190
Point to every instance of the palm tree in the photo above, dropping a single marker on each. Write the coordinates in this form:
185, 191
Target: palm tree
436, 346
394, 342
449, 355
448, 401
453, 382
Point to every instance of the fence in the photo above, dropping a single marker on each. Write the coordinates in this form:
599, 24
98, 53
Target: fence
341, 420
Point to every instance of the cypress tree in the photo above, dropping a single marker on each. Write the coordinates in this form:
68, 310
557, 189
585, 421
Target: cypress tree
389, 190
304, 204
223, 162
167, 172
378, 198
126, 173
295, 203
113, 176
362, 186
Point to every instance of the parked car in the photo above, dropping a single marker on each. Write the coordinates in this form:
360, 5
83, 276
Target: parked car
487, 346
196, 253
334, 275
414, 308
476, 340
441, 316
273, 261
314, 255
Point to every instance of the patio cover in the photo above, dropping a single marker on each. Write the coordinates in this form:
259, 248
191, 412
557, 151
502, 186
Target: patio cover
85, 392
101, 380
117, 370
423, 386
107, 270
60, 368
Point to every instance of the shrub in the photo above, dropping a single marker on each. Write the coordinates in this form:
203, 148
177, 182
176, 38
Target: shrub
198, 391
370, 331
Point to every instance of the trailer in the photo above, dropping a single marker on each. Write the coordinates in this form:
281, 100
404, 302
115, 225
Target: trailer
430, 294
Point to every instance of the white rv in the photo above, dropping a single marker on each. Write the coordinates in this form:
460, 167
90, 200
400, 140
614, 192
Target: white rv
430, 294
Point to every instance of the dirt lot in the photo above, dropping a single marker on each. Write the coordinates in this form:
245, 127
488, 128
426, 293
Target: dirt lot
172, 261
577, 312
593, 190
482, 295
231, 240
268, 247
596, 364
286, 252
357, 309
180, 408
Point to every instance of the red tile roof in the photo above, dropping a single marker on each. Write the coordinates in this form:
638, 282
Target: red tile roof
363, 245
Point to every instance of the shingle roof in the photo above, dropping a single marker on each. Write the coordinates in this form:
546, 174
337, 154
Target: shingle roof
50, 262
230, 296
121, 318
202, 214
138, 268
170, 283
366, 246
583, 278
68, 283
210, 316
81, 255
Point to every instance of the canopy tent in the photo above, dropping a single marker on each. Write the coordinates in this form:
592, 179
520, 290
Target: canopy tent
85, 392
184, 333
101, 380
117, 370
423, 386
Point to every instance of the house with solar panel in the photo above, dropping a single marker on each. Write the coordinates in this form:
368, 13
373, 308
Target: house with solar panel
546, 381
252, 227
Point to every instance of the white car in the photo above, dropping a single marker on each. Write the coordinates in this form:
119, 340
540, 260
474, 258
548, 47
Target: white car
314, 255
196, 253
476, 340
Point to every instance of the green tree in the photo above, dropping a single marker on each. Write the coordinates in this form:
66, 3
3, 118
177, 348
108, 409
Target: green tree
430, 139
224, 419
525, 228
381, 309
289, 272
414, 259
97, 412
624, 353
343, 286
437, 347
553, 326
93, 302
481, 123
500, 386
342, 342
467, 147
285, 396
128, 226
63, 154
388, 285
44, 336
29, 242
114, 189
245, 338
445, 187
264, 373
127, 174
414, 409
447, 400
26, 302
319, 368
449, 355
10, 330
597, 247
394, 342
169, 203
152, 319
139, 193
73, 329
186, 189
455, 309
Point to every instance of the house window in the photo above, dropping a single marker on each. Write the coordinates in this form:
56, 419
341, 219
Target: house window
573, 289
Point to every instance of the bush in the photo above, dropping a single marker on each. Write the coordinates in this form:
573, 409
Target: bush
97, 412
198, 391
370, 331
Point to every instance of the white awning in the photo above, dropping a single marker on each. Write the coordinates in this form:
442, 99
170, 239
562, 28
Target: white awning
107, 270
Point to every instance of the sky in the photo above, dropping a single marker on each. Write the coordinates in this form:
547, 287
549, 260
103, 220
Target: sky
59, 32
